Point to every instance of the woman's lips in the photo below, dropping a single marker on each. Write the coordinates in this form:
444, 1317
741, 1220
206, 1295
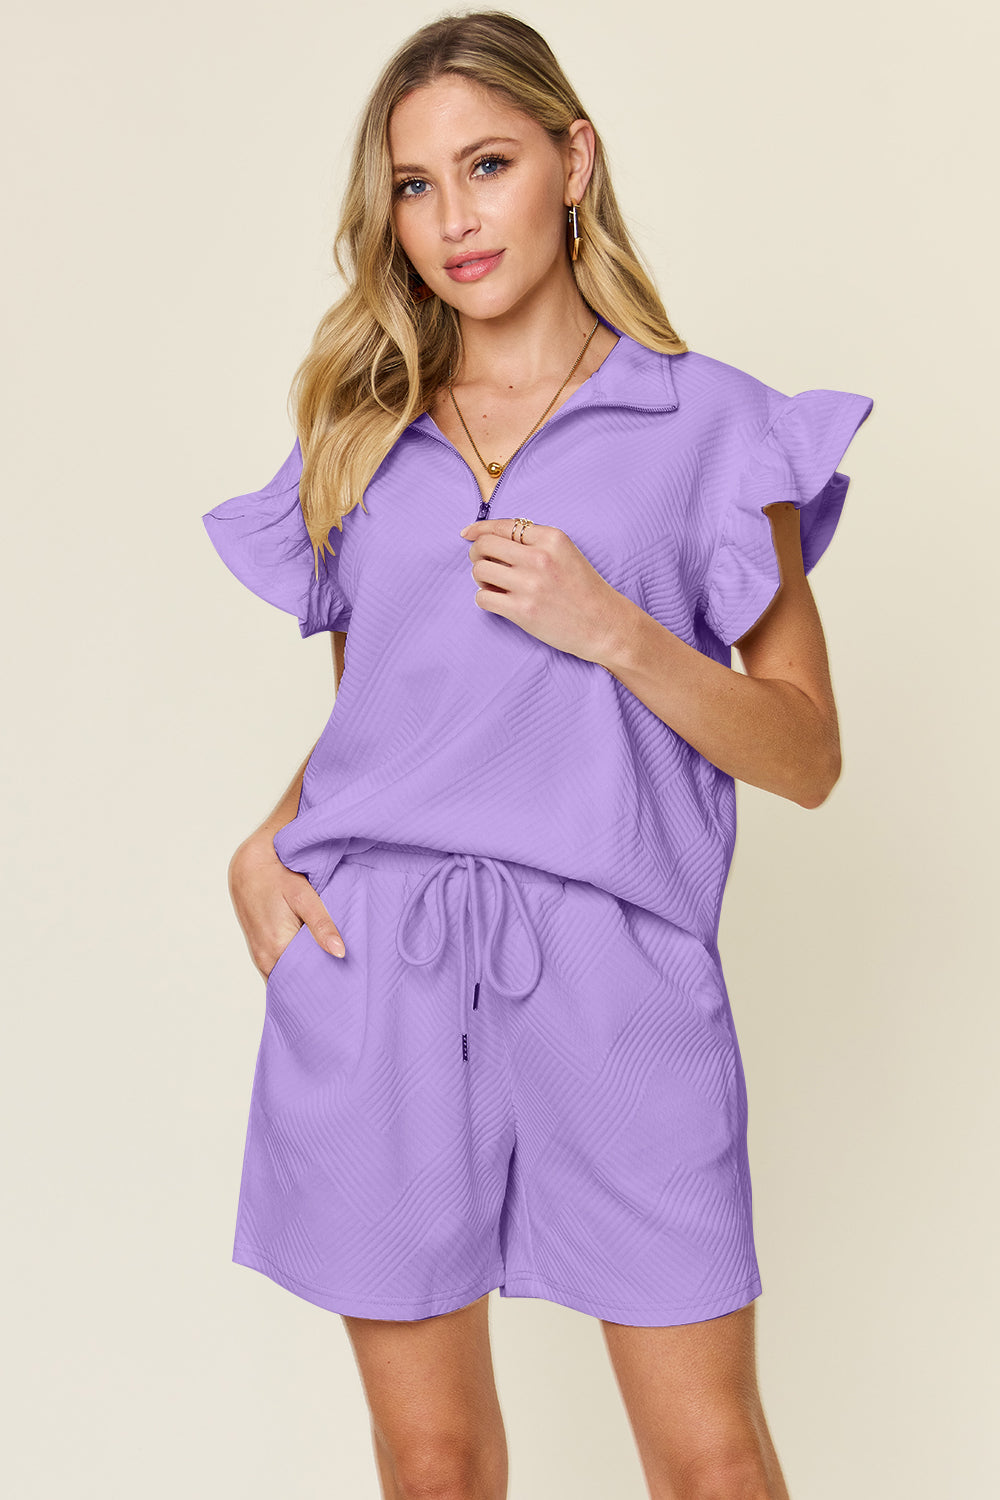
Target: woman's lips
474, 269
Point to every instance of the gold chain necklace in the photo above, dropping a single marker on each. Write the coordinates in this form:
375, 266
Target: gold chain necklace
497, 468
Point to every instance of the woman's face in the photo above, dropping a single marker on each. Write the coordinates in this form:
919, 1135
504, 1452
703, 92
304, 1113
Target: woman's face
508, 192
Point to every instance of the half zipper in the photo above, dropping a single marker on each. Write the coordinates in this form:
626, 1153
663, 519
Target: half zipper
565, 410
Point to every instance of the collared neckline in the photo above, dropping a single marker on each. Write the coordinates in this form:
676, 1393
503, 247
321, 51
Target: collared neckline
630, 375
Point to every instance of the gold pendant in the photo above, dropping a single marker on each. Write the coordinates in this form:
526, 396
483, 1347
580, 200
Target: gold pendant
494, 468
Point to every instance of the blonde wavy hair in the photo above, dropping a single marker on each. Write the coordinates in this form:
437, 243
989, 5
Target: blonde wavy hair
377, 358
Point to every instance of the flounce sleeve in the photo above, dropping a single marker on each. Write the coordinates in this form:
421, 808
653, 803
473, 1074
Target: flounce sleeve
795, 459
263, 539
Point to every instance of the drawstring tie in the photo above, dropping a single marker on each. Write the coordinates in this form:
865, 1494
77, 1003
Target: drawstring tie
482, 955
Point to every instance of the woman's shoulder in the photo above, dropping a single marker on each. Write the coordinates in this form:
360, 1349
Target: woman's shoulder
715, 389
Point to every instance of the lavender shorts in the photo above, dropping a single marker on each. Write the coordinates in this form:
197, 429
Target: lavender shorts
512, 1081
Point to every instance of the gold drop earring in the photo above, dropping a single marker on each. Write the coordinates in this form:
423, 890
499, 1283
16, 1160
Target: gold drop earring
574, 232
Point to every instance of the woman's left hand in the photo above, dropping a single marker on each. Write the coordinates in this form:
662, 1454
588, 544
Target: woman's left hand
546, 585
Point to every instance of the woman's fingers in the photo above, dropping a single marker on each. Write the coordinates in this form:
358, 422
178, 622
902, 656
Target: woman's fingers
320, 922
269, 957
273, 903
314, 915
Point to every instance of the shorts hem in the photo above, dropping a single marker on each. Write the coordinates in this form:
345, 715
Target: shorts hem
640, 1317
408, 1309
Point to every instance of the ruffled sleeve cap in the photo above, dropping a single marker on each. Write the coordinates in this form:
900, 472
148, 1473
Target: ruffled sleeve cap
795, 459
263, 539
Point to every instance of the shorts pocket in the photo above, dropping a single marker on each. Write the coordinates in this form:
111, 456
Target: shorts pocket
677, 956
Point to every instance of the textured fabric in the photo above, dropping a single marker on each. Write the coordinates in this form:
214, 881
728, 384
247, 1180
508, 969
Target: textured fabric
549, 1100
455, 729
263, 539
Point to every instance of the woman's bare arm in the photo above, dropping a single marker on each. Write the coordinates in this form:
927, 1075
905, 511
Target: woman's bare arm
288, 807
272, 902
262, 837
338, 639
774, 726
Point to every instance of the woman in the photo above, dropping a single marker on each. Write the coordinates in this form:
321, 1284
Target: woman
498, 1050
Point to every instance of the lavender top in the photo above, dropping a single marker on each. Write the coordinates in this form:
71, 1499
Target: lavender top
455, 729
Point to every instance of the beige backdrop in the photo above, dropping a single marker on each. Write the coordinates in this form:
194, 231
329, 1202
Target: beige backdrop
813, 187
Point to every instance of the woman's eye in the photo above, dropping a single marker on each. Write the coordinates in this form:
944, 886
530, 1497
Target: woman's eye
408, 182
500, 162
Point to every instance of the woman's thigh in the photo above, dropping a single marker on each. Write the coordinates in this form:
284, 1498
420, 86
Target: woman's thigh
692, 1398
431, 1392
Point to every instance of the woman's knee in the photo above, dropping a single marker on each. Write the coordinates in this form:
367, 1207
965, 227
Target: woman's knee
727, 1476
443, 1468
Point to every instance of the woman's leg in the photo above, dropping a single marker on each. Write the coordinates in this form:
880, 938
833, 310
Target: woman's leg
437, 1428
692, 1400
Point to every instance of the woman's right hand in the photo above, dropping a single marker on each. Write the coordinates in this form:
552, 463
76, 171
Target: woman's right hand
273, 902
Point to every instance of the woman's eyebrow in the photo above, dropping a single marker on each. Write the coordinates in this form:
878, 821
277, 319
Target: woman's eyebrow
461, 154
